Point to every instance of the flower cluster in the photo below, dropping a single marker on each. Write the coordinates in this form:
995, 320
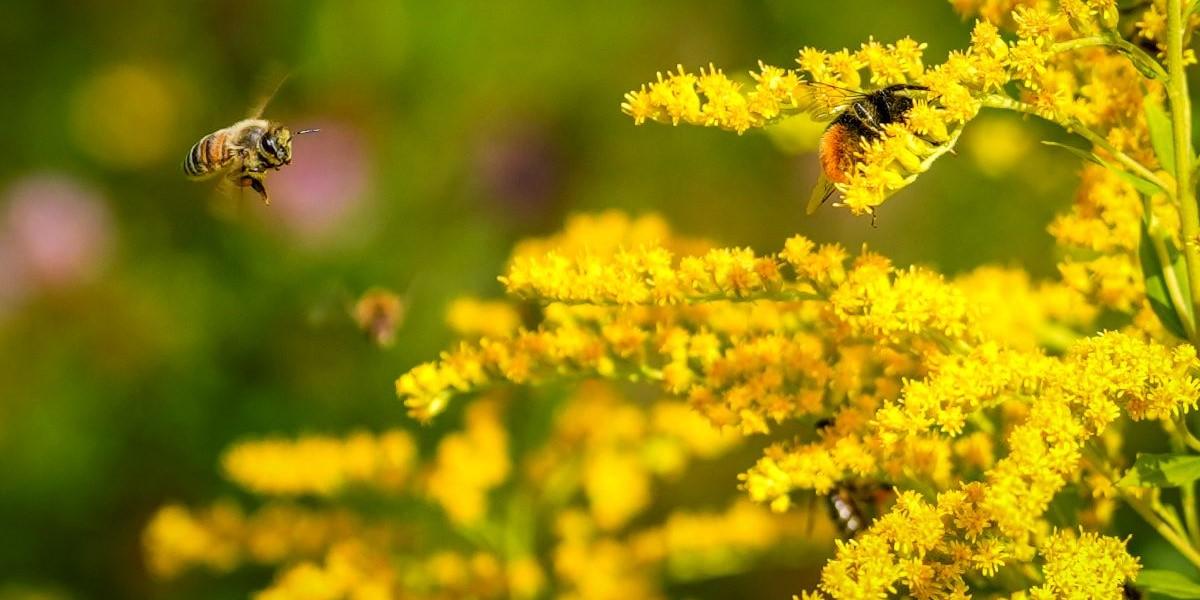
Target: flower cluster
583, 497
1043, 60
982, 403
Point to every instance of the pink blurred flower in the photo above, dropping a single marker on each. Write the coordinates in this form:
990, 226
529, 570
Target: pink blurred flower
55, 232
326, 181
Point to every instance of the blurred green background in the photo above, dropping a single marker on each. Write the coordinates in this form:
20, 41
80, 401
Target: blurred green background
144, 325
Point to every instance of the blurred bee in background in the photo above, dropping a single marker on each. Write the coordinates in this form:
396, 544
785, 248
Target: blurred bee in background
379, 313
243, 152
857, 118
854, 505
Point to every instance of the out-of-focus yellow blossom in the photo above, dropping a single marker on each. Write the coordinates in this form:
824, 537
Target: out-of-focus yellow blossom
699, 544
221, 537
472, 317
617, 485
470, 463
604, 233
351, 571
321, 465
1018, 312
997, 145
176, 539
526, 578
615, 463
119, 100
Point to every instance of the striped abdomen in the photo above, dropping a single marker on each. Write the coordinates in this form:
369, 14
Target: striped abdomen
208, 156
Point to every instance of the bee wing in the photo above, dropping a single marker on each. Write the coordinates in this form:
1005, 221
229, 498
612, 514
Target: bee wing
228, 198
271, 84
821, 192
824, 101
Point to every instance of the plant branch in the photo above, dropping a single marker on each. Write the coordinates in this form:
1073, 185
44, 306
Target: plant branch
1142, 61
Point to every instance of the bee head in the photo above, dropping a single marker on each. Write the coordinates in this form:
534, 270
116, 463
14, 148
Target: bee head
899, 100
276, 146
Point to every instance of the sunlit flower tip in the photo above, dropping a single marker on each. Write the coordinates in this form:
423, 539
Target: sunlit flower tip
1153, 24
910, 53
845, 67
472, 317
887, 66
928, 121
1037, 24
796, 250
816, 63
985, 39
639, 105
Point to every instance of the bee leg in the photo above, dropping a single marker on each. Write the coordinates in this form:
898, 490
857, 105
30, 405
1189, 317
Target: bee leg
867, 119
256, 184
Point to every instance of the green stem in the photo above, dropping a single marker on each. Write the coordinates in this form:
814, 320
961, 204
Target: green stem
1190, 514
1182, 305
1172, 536
1188, 439
1137, 168
1181, 125
1142, 61
1177, 430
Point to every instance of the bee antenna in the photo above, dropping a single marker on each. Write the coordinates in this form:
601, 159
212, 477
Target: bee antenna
304, 131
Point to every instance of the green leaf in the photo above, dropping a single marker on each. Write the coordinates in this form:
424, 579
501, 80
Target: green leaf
1168, 583
1160, 134
1162, 471
1156, 285
1144, 186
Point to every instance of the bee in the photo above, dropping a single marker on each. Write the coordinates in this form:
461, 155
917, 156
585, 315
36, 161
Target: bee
1128, 592
854, 505
243, 152
857, 118
379, 313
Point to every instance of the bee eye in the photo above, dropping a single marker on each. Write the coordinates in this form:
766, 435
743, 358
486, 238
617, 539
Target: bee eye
268, 145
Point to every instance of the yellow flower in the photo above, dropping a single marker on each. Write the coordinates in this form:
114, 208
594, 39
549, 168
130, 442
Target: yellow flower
1085, 565
469, 464
321, 465
473, 317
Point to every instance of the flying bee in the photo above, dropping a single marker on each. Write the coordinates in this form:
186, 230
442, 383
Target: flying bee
856, 119
243, 152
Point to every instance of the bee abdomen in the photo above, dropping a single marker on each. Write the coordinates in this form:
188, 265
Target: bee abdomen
836, 152
206, 156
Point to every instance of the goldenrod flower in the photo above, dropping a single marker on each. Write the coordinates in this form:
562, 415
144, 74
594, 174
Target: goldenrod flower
1085, 565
